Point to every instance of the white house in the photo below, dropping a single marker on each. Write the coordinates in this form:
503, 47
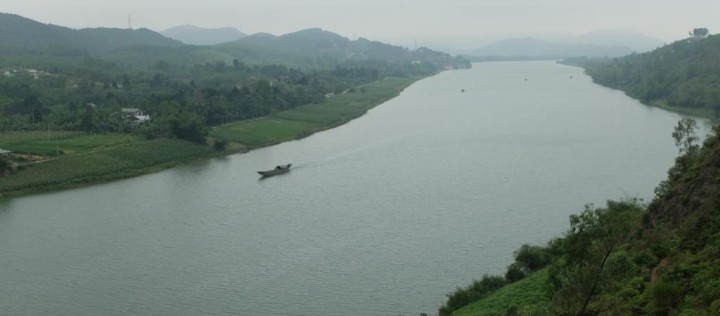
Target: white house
136, 116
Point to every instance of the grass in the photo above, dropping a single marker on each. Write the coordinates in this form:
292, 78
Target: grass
527, 295
263, 131
102, 165
8, 139
308, 119
37, 143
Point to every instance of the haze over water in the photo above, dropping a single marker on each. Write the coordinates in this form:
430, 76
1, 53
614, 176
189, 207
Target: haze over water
381, 216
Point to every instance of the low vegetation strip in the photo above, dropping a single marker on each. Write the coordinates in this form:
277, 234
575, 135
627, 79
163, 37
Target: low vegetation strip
305, 120
52, 143
101, 165
9, 139
520, 298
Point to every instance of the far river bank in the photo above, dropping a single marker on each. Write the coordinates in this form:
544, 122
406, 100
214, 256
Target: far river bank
76, 159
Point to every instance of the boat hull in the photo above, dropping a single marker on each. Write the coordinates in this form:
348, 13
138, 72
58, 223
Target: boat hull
278, 170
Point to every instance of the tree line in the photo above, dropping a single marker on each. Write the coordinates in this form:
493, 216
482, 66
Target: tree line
87, 93
683, 74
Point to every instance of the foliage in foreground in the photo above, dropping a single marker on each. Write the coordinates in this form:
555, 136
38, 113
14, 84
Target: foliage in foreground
628, 258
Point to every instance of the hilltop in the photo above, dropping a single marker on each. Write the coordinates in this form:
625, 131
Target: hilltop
194, 35
23, 33
311, 48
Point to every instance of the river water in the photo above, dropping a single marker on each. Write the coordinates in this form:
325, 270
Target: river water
382, 216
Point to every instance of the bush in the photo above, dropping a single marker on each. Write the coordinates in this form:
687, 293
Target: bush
220, 144
532, 258
4, 165
665, 296
476, 291
514, 273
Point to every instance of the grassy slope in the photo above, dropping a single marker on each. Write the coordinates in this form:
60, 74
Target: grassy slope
527, 294
86, 159
305, 120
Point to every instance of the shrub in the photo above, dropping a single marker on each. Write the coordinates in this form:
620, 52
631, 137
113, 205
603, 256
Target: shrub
4, 165
532, 258
514, 273
665, 296
476, 291
220, 144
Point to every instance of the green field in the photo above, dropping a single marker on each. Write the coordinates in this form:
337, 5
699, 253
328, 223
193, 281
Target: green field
527, 295
55, 143
308, 119
101, 165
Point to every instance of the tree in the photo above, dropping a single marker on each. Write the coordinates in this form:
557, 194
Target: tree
700, 32
685, 138
188, 126
594, 236
532, 258
5, 165
90, 120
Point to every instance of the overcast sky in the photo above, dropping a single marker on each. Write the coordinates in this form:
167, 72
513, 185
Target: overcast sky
387, 20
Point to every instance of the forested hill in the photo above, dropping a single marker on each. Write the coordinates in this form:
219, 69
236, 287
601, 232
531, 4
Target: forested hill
190, 34
627, 258
684, 75
311, 48
307, 46
20, 32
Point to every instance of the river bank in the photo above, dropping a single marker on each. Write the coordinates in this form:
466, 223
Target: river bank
76, 159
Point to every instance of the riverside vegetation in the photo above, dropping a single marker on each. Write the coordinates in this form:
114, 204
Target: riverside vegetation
681, 77
62, 93
626, 258
631, 257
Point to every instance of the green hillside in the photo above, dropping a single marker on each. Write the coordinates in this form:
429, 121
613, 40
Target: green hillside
24, 33
320, 48
627, 258
683, 76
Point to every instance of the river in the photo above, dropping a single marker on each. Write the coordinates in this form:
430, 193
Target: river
381, 216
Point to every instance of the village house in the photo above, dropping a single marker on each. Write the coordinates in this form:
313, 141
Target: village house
136, 116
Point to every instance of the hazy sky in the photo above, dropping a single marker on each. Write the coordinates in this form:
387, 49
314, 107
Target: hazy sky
387, 20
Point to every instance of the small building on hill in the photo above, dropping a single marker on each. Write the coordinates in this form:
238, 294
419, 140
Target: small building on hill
136, 116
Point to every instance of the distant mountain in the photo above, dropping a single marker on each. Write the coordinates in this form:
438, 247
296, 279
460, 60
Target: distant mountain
308, 45
193, 35
533, 48
636, 41
20, 32
311, 48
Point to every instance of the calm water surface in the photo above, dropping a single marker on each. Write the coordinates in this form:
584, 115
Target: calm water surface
381, 216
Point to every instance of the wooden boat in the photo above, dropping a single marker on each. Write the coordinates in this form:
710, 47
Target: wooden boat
278, 170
